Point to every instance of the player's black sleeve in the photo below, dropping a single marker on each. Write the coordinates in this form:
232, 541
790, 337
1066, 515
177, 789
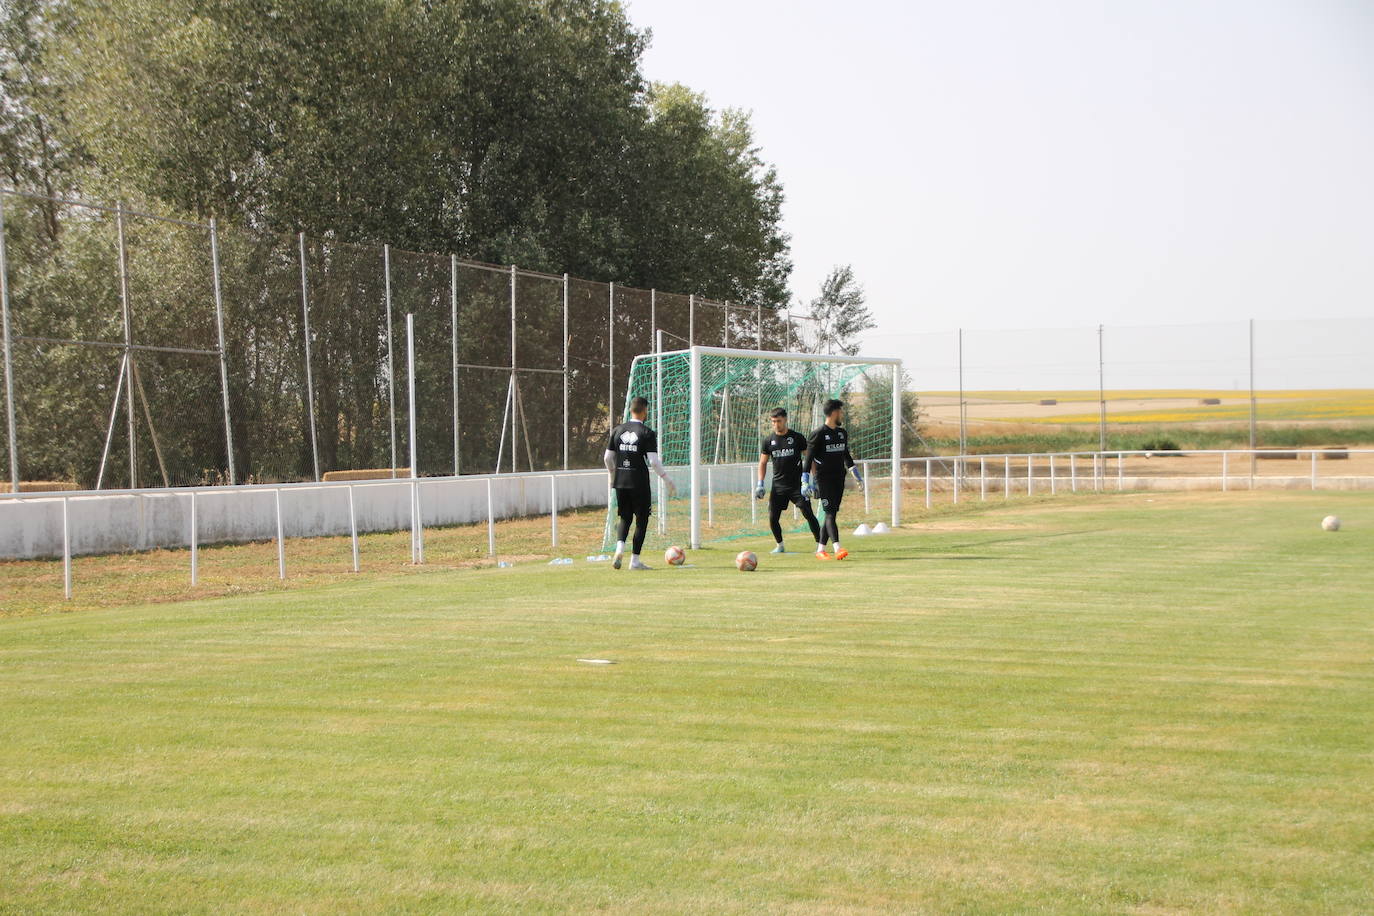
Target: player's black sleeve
610, 439
650, 443
848, 458
813, 446
763, 447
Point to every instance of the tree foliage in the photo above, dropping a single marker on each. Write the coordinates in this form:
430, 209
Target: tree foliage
505, 131
840, 312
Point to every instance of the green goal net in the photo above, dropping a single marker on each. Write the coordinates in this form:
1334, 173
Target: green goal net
711, 420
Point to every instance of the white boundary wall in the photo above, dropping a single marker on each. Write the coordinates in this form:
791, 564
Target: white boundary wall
31, 524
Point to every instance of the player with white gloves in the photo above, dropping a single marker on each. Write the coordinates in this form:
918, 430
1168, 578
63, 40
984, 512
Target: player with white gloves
827, 460
785, 448
631, 451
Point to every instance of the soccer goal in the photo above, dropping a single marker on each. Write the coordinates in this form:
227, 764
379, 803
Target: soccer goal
710, 407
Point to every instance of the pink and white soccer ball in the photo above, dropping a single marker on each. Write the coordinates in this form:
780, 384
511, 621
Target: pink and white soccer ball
745, 561
675, 556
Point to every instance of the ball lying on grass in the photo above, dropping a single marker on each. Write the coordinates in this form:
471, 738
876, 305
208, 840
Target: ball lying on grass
1331, 523
745, 561
675, 556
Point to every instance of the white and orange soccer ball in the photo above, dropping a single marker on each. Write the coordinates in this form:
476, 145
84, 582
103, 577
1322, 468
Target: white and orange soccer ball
675, 556
745, 561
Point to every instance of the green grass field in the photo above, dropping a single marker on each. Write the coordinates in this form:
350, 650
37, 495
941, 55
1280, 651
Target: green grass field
1123, 704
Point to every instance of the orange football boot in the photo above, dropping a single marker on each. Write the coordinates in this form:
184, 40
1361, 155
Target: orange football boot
841, 554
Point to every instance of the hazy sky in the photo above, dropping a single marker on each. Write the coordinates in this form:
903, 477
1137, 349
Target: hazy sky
1056, 164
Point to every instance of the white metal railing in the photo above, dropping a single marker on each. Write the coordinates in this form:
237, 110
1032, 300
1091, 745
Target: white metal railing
1059, 471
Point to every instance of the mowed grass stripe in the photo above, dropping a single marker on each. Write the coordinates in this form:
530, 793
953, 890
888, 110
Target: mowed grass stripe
1121, 704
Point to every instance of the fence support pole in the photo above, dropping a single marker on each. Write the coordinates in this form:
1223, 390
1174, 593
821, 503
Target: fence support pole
491, 523
390, 356
195, 553
353, 527
567, 431
281, 543
1054, 486
109, 430
553, 510
1073, 473
309, 374
223, 357
1101, 396
982, 478
658, 425
866, 500
128, 343
691, 320
416, 551
1120, 471
453, 347
1254, 439
1030, 475
927, 483
898, 378
1006, 477
1314, 469
610, 354
694, 443
11, 433
66, 552
515, 403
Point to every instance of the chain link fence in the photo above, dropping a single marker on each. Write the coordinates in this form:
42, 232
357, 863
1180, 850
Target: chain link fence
145, 351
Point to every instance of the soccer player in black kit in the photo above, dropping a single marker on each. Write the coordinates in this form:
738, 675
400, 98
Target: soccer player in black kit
630, 451
827, 459
785, 447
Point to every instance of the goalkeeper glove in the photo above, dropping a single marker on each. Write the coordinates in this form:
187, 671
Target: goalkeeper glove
857, 476
808, 491
758, 491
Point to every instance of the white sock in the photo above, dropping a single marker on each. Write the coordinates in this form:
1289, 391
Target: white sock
820, 548
619, 546
635, 557
837, 546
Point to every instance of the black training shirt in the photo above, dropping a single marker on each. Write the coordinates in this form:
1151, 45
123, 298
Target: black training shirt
632, 442
786, 451
827, 454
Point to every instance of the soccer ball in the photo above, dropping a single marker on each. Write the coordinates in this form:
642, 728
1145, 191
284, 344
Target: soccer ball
745, 561
881, 528
1331, 523
675, 556
863, 531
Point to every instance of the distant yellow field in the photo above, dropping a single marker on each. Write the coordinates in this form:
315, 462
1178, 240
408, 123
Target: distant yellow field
1152, 406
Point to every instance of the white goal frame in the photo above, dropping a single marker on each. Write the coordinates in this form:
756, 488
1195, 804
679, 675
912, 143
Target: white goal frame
696, 353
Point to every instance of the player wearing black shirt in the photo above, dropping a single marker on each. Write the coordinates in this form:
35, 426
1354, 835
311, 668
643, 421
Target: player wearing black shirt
827, 459
785, 448
631, 451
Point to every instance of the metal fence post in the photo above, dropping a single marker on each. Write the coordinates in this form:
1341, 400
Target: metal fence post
491, 523
982, 478
195, 553
353, 527
691, 320
1314, 469
1073, 473
516, 409
553, 510
927, 483
1006, 477
610, 354
12, 433
223, 359
1030, 475
128, 344
416, 526
309, 374
1054, 486
1120, 471
281, 542
567, 430
66, 552
453, 347
390, 355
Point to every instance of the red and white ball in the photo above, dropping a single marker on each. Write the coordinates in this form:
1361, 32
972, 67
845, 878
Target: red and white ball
745, 561
675, 556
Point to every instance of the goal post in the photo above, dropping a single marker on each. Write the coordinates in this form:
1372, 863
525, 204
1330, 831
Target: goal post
710, 406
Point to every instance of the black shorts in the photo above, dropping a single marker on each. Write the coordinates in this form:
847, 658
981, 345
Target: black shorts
780, 497
831, 493
634, 502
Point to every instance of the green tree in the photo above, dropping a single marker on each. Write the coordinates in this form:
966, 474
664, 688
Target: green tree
841, 313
